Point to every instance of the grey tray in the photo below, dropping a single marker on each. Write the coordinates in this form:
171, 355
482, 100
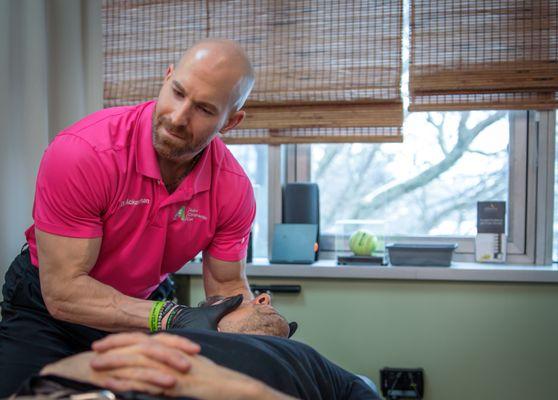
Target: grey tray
421, 255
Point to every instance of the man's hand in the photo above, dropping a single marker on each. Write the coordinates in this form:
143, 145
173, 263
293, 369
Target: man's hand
201, 317
144, 376
142, 340
136, 361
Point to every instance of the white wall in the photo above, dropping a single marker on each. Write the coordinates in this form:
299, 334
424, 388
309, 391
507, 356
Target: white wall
50, 76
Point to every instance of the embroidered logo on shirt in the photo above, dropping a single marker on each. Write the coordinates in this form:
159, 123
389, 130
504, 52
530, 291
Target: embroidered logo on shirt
187, 215
132, 202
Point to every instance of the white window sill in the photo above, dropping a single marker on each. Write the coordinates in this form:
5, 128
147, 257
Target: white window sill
459, 271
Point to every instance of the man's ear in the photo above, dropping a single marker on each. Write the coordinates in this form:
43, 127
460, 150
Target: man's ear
233, 121
263, 298
169, 72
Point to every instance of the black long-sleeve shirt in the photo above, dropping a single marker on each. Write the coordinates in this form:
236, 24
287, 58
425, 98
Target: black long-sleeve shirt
289, 366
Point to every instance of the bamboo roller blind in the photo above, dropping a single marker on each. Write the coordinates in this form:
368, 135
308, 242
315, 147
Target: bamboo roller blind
326, 71
489, 54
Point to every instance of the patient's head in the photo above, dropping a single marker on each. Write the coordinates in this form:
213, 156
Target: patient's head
256, 317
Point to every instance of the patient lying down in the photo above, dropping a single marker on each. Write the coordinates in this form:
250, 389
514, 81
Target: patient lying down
249, 358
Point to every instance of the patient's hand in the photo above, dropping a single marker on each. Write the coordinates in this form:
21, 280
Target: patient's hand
133, 360
146, 379
131, 338
75, 367
130, 361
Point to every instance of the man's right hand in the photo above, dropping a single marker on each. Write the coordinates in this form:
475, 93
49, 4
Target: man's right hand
201, 317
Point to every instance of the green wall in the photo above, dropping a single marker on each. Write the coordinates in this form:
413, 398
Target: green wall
474, 340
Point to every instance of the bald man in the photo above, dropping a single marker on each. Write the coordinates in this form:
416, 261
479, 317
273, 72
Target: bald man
125, 197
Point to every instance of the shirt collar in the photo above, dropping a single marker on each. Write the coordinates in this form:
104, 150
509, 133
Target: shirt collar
146, 157
199, 179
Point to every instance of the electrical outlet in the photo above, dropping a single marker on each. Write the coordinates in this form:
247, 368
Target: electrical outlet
402, 383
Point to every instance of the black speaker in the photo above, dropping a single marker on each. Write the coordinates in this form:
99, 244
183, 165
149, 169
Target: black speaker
301, 205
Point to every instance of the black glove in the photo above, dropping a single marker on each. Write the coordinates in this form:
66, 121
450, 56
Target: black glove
202, 317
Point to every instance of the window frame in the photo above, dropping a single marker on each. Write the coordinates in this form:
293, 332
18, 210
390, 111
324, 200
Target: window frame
530, 196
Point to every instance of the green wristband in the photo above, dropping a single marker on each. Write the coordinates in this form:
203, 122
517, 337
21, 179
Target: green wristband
154, 314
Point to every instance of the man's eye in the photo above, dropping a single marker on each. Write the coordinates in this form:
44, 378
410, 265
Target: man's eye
177, 93
205, 110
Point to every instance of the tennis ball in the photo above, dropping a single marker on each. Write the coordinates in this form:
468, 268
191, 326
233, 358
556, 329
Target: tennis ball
362, 243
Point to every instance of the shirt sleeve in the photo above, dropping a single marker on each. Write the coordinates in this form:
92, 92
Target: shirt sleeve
358, 389
230, 242
335, 382
72, 189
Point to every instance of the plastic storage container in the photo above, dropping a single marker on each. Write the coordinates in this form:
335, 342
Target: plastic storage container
421, 255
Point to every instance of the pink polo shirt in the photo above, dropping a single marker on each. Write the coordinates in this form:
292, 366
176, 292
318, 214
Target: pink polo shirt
100, 178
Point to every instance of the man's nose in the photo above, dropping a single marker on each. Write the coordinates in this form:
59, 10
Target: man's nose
181, 114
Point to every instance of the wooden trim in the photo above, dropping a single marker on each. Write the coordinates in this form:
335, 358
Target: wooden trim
275, 140
489, 78
464, 106
317, 103
324, 116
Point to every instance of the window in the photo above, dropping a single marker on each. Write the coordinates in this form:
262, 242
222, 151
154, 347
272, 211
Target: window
425, 188
253, 159
428, 186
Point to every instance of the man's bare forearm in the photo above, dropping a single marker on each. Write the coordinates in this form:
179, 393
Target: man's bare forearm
70, 294
89, 302
230, 288
225, 278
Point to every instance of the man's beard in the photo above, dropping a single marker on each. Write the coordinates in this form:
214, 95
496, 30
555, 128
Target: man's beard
168, 148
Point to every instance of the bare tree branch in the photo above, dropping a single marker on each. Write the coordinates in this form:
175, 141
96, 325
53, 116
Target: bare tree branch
330, 153
393, 190
440, 128
490, 186
462, 129
484, 153
348, 196
463, 204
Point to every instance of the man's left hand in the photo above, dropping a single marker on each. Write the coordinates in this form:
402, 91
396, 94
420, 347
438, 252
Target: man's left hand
201, 317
